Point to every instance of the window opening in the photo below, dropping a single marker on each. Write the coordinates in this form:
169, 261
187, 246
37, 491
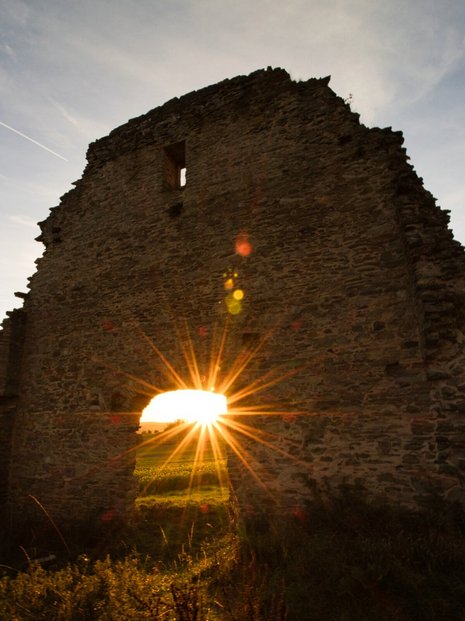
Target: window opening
175, 165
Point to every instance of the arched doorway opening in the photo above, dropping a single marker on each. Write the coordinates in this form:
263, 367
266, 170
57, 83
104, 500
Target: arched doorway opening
181, 465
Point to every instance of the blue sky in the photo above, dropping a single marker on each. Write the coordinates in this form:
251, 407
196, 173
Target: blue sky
70, 71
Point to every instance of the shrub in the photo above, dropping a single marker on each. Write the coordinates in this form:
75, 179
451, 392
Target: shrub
105, 591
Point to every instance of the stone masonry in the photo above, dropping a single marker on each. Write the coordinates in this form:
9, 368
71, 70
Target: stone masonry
354, 294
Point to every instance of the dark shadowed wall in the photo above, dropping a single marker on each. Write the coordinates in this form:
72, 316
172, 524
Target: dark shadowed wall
340, 253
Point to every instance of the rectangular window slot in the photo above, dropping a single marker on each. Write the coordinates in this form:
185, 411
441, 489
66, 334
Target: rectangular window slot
175, 165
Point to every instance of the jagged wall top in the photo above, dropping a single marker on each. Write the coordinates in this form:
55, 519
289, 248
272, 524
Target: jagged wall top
209, 101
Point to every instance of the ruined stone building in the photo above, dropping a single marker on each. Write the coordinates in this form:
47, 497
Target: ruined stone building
353, 295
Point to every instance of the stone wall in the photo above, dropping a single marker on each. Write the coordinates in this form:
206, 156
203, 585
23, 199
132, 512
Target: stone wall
11, 344
354, 289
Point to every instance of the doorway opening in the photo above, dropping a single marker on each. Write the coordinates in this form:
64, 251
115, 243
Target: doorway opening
181, 465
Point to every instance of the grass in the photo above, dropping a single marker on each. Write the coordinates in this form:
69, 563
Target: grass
155, 567
347, 559
176, 506
342, 558
155, 476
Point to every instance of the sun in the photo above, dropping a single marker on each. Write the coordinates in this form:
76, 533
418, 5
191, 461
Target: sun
202, 413
193, 406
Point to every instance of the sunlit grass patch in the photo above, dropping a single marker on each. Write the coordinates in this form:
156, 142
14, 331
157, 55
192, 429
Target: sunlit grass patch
176, 476
104, 590
158, 472
165, 524
177, 507
202, 498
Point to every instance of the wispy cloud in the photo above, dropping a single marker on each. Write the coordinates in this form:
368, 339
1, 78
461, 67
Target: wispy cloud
65, 113
87, 127
24, 221
39, 144
8, 50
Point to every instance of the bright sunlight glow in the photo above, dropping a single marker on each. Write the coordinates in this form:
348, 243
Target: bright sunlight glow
196, 406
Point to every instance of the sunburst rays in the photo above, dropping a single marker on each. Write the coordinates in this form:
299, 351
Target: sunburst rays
226, 433
233, 374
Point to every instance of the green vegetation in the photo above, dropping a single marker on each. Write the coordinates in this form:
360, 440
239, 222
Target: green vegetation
345, 559
338, 559
157, 567
159, 473
178, 506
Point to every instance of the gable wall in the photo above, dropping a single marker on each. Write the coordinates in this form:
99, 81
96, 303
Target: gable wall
330, 209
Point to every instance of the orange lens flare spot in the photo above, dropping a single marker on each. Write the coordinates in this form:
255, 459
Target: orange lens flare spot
229, 284
243, 245
192, 406
108, 325
238, 294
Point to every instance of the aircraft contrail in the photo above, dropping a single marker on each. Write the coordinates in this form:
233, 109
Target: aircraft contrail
34, 141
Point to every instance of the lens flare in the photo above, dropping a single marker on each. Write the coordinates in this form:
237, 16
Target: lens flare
201, 413
234, 305
242, 245
194, 406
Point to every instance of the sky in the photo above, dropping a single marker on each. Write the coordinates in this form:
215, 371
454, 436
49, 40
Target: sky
71, 71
